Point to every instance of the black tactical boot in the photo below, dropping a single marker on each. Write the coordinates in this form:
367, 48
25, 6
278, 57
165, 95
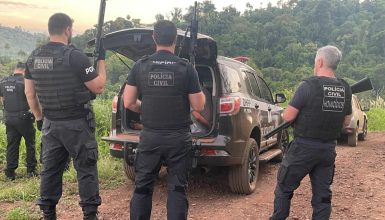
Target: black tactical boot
10, 174
49, 212
90, 216
32, 174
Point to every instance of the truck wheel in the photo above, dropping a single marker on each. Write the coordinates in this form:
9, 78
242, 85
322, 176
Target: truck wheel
243, 178
362, 136
282, 145
129, 171
353, 138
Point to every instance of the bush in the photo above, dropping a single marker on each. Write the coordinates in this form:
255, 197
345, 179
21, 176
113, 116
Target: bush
376, 119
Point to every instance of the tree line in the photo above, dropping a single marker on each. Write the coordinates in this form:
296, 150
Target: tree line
281, 40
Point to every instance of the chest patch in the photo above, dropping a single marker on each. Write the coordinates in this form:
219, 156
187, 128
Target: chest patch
43, 63
334, 98
161, 79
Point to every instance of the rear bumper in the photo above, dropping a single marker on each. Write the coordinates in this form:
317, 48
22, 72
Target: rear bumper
218, 151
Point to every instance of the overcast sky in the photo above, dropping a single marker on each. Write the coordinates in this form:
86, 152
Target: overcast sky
33, 14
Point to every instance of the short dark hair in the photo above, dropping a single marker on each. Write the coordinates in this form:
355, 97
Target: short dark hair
58, 22
164, 33
20, 65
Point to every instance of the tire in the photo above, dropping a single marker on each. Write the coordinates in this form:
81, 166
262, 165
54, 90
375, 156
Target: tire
362, 136
243, 178
129, 171
282, 145
353, 138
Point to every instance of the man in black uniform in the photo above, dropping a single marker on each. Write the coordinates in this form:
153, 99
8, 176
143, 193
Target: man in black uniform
60, 82
168, 86
321, 106
18, 121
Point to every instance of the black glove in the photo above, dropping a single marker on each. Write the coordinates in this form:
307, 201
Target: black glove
39, 124
102, 51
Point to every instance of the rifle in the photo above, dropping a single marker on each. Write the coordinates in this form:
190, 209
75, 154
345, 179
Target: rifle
193, 35
99, 30
361, 86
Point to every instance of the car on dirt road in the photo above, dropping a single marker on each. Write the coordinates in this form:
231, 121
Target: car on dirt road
358, 127
242, 104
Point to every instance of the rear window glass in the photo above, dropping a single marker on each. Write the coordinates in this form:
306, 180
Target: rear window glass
230, 79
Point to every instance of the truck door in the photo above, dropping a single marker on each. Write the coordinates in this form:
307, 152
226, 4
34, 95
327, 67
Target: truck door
273, 111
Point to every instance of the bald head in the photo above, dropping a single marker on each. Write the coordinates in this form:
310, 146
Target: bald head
331, 56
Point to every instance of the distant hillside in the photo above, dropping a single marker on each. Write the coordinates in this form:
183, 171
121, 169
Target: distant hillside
18, 43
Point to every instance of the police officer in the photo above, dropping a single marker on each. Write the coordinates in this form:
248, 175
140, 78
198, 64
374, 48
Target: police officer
18, 121
319, 109
60, 82
168, 86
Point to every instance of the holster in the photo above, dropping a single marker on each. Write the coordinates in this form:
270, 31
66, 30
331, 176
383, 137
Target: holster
86, 97
90, 116
195, 151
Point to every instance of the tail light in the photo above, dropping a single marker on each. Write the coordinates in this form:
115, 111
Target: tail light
114, 104
230, 105
116, 147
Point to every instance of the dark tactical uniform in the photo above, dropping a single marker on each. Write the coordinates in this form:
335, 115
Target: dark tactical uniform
19, 123
59, 73
323, 104
164, 82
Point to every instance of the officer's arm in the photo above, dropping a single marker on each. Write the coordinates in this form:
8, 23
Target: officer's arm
130, 98
197, 101
32, 99
97, 84
290, 113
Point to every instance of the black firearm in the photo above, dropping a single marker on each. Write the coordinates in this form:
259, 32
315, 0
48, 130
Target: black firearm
99, 30
361, 86
193, 35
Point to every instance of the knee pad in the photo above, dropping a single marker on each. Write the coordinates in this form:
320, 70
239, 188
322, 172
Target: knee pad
143, 190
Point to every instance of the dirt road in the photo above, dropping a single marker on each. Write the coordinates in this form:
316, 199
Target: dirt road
358, 191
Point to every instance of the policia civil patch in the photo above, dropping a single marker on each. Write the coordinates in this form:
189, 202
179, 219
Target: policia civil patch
43, 63
334, 98
161, 79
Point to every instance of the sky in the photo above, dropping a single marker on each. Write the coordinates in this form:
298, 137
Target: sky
33, 15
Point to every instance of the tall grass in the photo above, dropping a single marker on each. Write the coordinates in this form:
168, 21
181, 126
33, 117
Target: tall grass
376, 119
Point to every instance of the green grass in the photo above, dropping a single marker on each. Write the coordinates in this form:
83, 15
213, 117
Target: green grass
21, 213
19, 190
376, 119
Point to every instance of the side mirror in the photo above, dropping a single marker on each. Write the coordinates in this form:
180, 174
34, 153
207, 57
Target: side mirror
280, 98
365, 109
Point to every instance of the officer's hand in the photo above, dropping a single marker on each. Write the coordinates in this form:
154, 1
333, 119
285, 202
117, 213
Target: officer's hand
102, 51
39, 124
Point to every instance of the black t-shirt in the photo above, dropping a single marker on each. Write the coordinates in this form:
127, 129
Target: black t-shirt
80, 64
165, 56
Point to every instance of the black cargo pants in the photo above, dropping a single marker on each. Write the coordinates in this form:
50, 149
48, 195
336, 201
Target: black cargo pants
174, 148
60, 140
17, 127
306, 157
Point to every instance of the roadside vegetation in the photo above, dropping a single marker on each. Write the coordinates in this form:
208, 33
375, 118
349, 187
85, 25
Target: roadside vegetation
280, 42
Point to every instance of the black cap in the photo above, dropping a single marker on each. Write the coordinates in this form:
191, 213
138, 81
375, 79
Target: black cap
20, 65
